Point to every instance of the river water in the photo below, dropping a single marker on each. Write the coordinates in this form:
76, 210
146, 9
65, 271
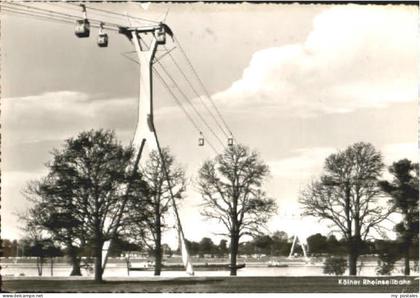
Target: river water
120, 270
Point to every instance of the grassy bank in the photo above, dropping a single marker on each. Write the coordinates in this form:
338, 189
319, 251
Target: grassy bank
310, 284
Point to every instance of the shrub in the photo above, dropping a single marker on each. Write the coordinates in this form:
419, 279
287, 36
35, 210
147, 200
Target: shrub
388, 253
386, 262
335, 265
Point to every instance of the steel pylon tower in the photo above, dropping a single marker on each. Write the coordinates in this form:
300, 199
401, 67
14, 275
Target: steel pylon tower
296, 240
145, 130
145, 137
297, 237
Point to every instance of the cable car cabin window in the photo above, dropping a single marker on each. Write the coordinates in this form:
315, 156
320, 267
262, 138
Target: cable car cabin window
82, 28
230, 142
201, 142
103, 40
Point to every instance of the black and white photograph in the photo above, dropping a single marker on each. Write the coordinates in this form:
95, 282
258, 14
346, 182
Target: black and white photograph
209, 147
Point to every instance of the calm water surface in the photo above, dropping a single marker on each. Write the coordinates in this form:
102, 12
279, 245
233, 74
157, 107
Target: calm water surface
120, 270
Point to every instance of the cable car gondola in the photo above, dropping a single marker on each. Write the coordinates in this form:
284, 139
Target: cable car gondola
160, 35
201, 140
82, 28
102, 37
230, 141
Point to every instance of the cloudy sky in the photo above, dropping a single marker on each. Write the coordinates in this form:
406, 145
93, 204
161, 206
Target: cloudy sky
294, 82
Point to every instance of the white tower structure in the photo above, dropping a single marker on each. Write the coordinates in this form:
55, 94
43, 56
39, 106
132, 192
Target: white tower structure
298, 237
296, 240
145, 137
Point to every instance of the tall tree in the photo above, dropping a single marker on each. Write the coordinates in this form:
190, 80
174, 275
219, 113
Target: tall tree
281, 243
81, 197
53, 213
347, 195
280, 235
39, 246
222, 247
317, 243
231, 187
264, 244
404, 190
207, 246
148, 218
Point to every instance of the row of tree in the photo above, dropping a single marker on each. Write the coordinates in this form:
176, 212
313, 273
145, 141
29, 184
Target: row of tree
46, 248
320, 245
93, 194
206, 247
28, 247
277, 244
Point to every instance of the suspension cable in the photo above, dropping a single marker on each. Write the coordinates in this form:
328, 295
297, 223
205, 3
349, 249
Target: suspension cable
177, 101
46, 16
64, 5
190, 103
53, 13
196, 93
36, 16
202, 86
118, 14
183, 108
187, 99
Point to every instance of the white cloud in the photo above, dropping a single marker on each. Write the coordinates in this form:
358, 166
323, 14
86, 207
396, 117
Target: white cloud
355, 57
60, 114
303, 164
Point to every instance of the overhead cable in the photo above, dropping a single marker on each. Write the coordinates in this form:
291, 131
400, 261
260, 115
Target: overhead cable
197, 94
202, 85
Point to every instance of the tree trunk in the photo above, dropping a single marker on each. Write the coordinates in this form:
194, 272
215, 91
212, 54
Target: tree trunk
158, 242
234, 241
407, 258
407, 264
353, 263
98, 261
351, 241
75, 262
39, 263
158, 258
354, 248
127, 260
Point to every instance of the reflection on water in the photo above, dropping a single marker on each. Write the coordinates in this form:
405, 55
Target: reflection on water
120, 270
